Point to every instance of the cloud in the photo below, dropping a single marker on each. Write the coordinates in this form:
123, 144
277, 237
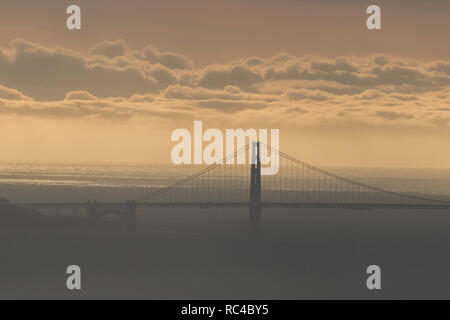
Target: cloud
231, 106
301, 94
218, 77
200, 93
441, 67
370, 94
115, 82
12, 94
381, 60
79, 95
296, 109
365, 73
393, 115
142, 98
109, 49
169, 59
48, 73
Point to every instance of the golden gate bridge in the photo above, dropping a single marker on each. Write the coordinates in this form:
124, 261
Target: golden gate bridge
228, 184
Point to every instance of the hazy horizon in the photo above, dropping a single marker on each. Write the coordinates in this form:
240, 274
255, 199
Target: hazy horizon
327, 166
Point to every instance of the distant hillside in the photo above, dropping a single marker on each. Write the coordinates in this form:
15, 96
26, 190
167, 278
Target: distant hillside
3, 200
15, 216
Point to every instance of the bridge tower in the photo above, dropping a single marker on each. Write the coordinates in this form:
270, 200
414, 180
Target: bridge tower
255, 189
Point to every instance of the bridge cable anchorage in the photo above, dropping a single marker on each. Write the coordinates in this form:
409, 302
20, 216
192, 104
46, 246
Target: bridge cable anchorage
349, 181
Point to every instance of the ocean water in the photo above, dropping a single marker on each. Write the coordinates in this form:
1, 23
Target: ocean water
110, 182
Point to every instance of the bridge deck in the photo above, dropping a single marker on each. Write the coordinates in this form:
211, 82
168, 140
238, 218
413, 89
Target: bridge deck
244, 204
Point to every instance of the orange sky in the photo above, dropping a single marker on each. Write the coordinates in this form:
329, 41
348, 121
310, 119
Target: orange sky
114, 91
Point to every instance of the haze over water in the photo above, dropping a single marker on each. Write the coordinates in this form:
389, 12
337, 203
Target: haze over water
22, 182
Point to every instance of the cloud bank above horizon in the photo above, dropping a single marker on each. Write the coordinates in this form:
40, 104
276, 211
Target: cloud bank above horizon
113, 81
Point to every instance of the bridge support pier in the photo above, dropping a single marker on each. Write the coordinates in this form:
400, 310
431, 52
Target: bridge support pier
75, 212
130, 215
255, 191
91, 211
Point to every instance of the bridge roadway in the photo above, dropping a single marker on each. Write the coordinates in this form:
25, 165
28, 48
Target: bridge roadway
239, 205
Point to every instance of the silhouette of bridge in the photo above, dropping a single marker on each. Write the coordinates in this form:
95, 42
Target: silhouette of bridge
228, 183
